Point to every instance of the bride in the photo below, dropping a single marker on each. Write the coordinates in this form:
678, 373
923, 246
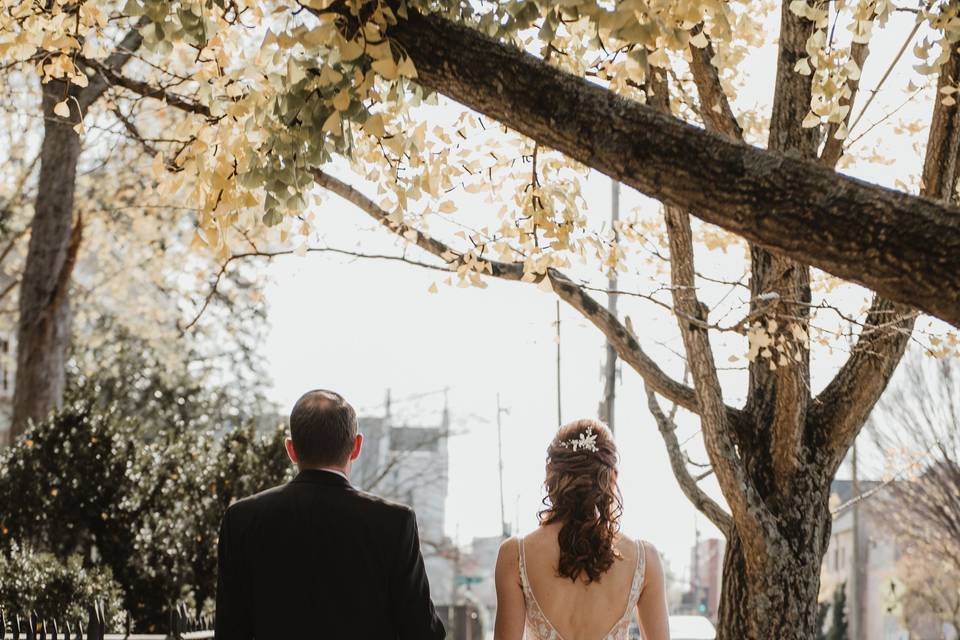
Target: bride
576, 577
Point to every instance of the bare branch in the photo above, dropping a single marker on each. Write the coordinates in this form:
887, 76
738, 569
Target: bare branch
115, 78
626, 344
833, 147
704, 503
714, 105
843, 406
99, 83
134, 131
215, 285
827, 220
717, 432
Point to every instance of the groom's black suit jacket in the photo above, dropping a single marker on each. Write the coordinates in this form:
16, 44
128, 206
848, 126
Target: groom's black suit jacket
316, 558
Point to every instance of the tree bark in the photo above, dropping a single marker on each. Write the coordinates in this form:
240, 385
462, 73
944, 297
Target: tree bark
905, 247
43, 330
43, 333
781, 602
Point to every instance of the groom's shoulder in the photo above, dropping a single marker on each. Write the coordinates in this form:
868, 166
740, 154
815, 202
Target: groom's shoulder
379, 503
263, 498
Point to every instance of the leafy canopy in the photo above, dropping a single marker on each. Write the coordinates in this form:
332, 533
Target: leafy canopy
272, 90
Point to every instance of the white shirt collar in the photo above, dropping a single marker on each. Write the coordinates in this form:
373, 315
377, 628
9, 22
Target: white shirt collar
336, 471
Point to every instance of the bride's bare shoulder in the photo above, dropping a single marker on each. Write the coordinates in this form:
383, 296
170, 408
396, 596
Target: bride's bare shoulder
509, 550
508, 560
629, 545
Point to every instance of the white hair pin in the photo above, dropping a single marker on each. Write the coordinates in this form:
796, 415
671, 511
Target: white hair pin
587, 440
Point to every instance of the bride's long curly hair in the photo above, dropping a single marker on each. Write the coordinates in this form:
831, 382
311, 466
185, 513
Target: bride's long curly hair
583, 496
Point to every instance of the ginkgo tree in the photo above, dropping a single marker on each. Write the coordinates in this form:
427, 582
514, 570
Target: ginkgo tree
125, 269
272, 93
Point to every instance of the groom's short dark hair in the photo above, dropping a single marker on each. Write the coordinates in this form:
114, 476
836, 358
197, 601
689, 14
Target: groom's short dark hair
323, 427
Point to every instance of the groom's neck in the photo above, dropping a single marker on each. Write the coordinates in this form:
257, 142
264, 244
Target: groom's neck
343, 471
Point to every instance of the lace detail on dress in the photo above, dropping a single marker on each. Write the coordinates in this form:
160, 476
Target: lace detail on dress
537, 627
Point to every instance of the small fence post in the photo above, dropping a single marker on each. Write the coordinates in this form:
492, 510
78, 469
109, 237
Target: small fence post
32, 626
175, 624
96, 624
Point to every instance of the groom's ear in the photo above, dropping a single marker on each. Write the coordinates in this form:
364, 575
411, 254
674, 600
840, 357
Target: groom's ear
357, 445
288, 443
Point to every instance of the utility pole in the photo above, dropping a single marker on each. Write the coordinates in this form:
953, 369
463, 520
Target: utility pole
503, 512
559, 406
607, 412
857, 575
695, 569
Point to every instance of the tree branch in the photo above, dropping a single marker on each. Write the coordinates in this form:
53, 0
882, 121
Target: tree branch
623, 341
843, 406
903, 246
215, 285
688, 484
833, 147
748, 509
714, 105
114, 78
99, 83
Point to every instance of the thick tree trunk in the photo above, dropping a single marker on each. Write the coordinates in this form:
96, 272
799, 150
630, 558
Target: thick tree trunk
902, 246
778, 600
43, 334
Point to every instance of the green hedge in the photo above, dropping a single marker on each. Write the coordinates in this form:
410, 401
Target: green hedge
32, 582
87, 486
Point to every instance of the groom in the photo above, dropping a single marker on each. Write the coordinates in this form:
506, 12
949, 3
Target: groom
317, 558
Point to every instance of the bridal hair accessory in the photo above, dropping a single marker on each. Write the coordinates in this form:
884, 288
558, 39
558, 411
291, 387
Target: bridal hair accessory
587, 440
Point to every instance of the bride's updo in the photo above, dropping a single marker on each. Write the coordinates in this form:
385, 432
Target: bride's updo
583, 497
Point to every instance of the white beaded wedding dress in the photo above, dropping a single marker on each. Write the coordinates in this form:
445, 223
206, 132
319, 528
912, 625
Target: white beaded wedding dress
539, 628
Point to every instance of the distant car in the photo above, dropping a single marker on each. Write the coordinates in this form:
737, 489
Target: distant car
691, 628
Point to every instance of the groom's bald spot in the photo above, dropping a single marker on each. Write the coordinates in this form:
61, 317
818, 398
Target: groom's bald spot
323, 427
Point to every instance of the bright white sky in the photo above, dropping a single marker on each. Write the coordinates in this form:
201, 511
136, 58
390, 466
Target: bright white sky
362, 327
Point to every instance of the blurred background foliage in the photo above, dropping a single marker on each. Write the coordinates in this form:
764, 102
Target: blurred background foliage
119, 495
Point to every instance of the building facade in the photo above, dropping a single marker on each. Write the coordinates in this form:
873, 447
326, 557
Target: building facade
410, 465
702, 595
862, 555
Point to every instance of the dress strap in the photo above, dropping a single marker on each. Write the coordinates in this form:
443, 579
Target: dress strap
641, 566
523, 567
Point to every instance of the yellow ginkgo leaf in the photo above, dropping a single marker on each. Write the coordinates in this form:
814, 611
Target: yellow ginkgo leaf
406, 68
374, 125
386, 67
332, 123
350, 50
157, 166
342, 100
62, 109
811, 120
700, 40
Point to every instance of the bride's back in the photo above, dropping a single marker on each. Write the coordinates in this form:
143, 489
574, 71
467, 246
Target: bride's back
576, 577
578, 609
